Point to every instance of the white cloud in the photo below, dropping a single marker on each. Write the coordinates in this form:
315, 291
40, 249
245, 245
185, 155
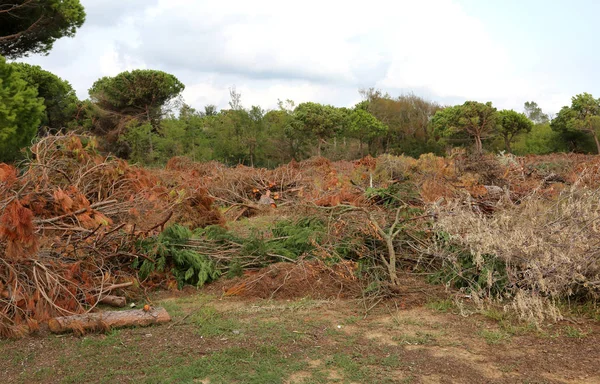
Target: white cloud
312, 50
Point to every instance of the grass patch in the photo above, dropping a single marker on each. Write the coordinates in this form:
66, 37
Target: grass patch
494, 314
351, 320
588, 310
441, 305
418, 339
265, 364
111, 338
494, 337
574, 333
351, 368
211, 323
508, 323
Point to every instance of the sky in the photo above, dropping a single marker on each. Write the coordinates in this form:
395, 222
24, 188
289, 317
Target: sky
448, 51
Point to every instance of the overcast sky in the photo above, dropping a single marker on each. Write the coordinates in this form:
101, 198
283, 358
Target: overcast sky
504, 51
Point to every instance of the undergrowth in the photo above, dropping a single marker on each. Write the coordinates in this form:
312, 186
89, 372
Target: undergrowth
201, 256
467, 271
168, 250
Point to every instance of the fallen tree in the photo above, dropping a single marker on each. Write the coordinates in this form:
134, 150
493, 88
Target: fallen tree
103, 321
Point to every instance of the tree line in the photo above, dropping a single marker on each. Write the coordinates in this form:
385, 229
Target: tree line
140, 115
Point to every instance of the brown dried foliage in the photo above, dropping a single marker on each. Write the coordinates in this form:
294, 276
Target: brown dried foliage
70, 223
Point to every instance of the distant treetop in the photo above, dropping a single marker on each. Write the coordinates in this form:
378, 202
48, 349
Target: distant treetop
32, 26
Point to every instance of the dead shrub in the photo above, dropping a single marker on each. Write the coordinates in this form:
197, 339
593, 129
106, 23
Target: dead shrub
549, 247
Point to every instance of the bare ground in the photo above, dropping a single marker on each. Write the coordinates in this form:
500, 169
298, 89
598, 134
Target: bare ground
219, 339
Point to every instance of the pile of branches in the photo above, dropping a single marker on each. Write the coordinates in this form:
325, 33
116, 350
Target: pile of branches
70, 224
537, 253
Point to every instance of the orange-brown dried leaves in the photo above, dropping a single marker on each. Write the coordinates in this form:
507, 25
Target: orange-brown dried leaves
63, 201
17, 229
8, 174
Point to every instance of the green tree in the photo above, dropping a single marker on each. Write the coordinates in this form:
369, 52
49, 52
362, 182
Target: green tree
20, 112
582, 116
60, 99
407, 118
319, 121
32, 26
510, 124
365, 127
210, 110
141, 94
542, 140
535, 114
283, 141
474, 119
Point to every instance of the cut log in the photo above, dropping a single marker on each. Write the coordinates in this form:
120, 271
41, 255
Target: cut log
114, 301
107, 320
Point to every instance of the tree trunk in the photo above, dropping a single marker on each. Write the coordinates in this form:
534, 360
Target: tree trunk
107, 320
507, 144
478, 145
597, 142
389, 240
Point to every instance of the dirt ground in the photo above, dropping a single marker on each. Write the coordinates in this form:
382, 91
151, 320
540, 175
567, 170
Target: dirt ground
419, 338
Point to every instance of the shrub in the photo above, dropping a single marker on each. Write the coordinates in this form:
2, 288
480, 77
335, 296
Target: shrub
549, 248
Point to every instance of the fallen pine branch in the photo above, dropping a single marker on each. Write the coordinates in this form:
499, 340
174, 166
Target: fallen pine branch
79, 211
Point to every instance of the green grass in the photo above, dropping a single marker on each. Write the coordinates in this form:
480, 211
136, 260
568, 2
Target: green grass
419, 338
494, 314
351, 320
574, 333
211, 323
233, 344
588, 310
264, 364
494, 337
441, 305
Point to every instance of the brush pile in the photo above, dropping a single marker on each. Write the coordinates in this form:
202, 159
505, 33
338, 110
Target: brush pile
70, 223
76, 225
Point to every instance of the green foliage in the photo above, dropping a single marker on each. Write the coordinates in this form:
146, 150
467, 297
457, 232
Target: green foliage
139, 139
485, 274
472, 119
535, 114
394, 195
573, 332
60, 99
20, 112
494, 337
365, 127
142, 94
319, 121
287, 238
542, 140
167, 251
32, 27
583, 116
440, 305
510, 124
170, 251
295, 238
407, 118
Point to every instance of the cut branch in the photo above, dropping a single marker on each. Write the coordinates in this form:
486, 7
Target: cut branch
107, 320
